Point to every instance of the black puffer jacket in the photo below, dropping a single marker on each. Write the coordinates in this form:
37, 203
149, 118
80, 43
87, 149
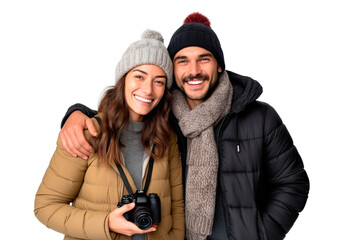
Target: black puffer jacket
261, 177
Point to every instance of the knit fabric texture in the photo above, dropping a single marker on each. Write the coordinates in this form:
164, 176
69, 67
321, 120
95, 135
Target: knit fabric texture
202, 155
199, 35
133, 153
149, 50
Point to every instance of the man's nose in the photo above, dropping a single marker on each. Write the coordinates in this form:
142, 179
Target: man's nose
194, 68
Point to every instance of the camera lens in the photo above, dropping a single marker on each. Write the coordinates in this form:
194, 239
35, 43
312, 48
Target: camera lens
144, 222
142, 217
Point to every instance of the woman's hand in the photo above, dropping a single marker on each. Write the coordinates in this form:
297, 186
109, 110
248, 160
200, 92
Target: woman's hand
117, 222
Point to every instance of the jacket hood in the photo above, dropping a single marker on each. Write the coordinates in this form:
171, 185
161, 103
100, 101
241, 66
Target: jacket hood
245, 91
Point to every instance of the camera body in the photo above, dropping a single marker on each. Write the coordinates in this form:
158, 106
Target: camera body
147, 210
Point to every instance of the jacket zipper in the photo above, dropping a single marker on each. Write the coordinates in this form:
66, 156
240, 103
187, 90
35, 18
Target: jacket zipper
219, 136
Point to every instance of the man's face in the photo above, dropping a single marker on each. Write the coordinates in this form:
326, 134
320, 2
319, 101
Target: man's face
196, 72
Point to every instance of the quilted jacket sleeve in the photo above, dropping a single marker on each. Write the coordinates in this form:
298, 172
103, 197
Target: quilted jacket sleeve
59, 187
178, 215
287, 181
78, 107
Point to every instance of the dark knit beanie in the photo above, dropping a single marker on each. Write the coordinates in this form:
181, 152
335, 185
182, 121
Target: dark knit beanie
196, 31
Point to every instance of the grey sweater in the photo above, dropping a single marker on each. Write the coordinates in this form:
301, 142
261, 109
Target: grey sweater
133, 153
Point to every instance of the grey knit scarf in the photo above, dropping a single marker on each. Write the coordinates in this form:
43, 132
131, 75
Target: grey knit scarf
202, 155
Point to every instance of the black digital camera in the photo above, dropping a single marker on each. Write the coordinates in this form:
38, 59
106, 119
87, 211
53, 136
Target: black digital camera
147, 210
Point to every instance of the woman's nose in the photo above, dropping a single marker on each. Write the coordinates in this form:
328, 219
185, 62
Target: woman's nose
147, 87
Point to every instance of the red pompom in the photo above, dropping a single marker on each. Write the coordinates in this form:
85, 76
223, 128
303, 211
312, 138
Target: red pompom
197, 17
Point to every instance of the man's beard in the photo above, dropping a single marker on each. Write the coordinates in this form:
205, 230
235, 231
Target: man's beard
199, 76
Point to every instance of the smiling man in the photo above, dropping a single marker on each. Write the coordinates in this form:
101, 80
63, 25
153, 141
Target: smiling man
244, 179
196, 72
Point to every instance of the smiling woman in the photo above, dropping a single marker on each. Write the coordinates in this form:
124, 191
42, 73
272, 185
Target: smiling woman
144, 88
134, 138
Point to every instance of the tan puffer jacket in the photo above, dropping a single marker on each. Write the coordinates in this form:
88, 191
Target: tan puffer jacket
94, 190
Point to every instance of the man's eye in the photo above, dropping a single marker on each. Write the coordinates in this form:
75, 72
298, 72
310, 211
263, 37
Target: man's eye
182, 62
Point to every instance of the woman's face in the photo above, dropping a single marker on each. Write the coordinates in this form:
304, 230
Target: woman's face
144, 88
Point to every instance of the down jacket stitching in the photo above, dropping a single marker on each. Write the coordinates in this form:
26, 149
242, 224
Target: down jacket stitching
275, 130
281, 154
241, 172
241, 207
242, 140
53, 190
62, 177
83, 224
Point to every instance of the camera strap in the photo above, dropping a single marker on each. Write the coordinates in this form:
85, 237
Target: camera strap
122, 174
148, 178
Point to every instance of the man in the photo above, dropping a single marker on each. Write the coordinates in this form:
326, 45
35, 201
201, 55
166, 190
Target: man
244, 178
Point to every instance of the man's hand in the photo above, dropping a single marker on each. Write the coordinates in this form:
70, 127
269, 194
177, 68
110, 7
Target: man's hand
117, 222
72, 137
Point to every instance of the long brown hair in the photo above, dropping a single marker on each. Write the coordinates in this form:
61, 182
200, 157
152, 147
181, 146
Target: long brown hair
115, 117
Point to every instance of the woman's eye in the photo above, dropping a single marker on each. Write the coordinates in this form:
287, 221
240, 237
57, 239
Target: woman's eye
161, 83
139, 77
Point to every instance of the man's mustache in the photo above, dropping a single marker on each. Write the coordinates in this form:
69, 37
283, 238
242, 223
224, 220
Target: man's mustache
198, 76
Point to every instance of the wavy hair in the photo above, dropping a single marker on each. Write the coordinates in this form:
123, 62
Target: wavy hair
115, 118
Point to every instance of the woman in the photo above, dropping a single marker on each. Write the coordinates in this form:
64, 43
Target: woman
132, 126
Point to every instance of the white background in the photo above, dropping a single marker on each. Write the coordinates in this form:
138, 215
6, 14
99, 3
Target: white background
57, 53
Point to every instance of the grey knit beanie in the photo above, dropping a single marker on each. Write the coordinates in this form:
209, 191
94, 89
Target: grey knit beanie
149, 50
